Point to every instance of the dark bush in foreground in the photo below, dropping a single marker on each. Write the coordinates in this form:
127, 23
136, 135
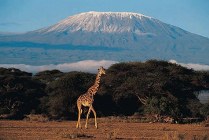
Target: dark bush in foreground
19, 93
62, 94
158, 86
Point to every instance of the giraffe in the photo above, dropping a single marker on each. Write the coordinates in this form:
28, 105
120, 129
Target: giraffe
87, 99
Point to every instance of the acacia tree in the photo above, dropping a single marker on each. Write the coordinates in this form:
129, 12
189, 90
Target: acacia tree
204, 110
171, 85
19, 93
63, 92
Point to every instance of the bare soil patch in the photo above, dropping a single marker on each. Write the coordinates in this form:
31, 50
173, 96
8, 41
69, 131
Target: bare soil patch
109, 128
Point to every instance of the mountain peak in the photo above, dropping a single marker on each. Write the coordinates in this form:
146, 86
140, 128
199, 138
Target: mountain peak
107, 22
119, 14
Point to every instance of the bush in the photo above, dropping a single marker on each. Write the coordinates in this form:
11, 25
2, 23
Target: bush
162, 106
63, 93
19, 94
204, 110
158, 86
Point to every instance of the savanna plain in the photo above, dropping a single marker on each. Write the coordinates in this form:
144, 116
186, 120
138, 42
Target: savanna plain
108, 128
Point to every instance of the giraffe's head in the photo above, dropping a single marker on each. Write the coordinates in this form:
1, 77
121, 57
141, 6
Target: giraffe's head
101, 70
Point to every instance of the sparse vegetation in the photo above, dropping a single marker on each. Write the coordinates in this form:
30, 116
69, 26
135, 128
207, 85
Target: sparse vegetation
78, 136
113, 134
115, 129
38, 117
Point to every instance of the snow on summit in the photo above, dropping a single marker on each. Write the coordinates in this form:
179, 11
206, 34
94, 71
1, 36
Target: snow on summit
101, 22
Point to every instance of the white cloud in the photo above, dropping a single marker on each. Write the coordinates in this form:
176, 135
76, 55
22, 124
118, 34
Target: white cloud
197, 67
87, 66
84, 66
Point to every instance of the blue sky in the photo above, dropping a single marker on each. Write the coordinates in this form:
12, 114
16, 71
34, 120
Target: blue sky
28, 15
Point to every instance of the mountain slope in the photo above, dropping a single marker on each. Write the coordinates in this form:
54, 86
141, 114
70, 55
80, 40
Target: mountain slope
137, 33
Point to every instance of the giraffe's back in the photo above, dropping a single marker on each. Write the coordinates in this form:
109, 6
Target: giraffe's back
85, 100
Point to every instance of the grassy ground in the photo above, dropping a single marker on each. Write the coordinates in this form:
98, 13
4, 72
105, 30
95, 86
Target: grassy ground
109, 128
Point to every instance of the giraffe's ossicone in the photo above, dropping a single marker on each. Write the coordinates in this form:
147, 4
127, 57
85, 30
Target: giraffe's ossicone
87, 99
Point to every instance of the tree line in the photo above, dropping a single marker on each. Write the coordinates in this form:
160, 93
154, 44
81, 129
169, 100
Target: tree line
151, 87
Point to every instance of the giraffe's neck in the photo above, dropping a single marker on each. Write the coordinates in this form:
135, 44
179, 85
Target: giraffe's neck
93, 89
97, 81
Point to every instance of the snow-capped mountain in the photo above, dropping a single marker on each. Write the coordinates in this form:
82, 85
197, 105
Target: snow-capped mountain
107, 22
138, 36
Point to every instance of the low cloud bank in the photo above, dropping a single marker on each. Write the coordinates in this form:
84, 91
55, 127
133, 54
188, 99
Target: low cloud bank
88, 66
84, 66
197, 67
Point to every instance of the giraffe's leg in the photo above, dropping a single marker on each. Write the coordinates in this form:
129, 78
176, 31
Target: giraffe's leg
79, 116
95, 116
87, 117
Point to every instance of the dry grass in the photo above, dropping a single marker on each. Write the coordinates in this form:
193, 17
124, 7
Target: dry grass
38, 117
113, 134
183, 136
77, 136
109, 128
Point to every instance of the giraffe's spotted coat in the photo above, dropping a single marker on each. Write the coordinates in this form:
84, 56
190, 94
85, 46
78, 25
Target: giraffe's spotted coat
87, 99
